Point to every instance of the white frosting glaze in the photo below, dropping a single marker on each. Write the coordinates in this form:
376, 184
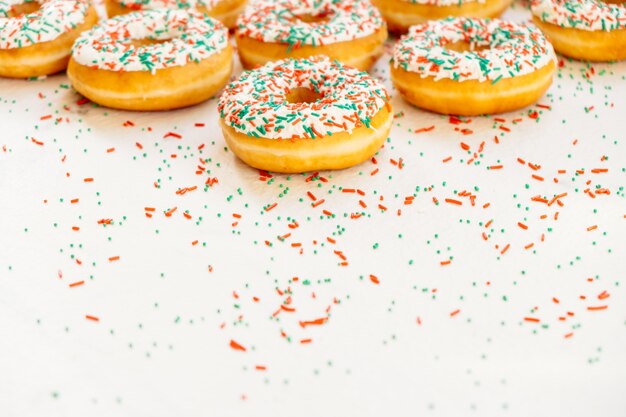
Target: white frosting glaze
442, 3
590, 15
278, 21
167, 4
54, 18
191, 37
257, 105
513, 50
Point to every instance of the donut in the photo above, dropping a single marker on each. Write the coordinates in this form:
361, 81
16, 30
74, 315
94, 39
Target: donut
469, 66
350, 31
226, 11
402, 14
36, 37
589, 30
304, 115
152, 60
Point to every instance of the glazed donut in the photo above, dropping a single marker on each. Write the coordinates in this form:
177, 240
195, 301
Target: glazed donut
583, 29
350, 31
36, 37
402, 14
226, 11
153, 60
470, 66
304, 115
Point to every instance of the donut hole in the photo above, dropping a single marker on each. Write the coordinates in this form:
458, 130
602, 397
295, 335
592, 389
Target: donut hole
318, 18
138, 43
462, 46
22, 9
300, 95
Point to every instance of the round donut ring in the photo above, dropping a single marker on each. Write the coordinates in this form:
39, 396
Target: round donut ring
36, 37
350, 31
589, 30
305, 115
402, 14
470, 66
152, 60
226, 11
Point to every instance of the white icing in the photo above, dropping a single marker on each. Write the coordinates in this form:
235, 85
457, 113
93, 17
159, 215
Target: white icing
191, 37
167, 4
513, 50
442, 3
257, 105
278, 22
590, 15
54, 18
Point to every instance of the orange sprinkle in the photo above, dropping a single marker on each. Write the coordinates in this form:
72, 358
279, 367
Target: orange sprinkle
590, 228
236, 346
88, 180
92, 318
374, 279
305, 341
268, 208
522, 225
114, 258
537, 177
495, 167
76, 284
531, 319
452, 201
446, 262
455, 312
110, 150
596, 308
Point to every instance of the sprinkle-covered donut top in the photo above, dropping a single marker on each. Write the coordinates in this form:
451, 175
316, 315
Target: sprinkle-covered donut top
186, 37
590, 15
257, 104
167, 4
498, 49
54, 18
309, 22
443, 3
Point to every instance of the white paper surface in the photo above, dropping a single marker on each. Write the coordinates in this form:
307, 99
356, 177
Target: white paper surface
161, 346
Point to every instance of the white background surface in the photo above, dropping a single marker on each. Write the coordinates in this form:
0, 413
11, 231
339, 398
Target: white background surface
161, 346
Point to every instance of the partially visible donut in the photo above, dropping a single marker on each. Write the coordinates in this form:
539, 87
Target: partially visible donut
226, 11
36, 37
589, 30
402, 14
350, 31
